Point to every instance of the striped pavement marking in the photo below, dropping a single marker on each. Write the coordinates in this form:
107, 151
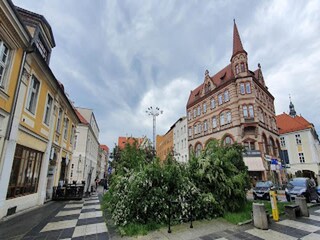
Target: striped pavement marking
299, 225
269, 234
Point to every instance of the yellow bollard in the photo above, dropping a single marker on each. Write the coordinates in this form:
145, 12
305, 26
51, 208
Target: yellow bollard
275, 211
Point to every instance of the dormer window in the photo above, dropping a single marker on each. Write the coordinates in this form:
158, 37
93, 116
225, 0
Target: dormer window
4, 55
43, 51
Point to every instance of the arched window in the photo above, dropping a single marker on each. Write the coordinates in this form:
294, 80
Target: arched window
213, 103
214, 122
190, 150
272, 147
237, 69
205, 126
261, 115
265, 144
227, 140
226, 96
198, 149
242, 67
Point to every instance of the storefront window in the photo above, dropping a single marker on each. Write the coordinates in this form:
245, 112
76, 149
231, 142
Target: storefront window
25, 172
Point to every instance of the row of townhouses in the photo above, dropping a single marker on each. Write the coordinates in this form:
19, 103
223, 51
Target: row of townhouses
44, 140
235, 105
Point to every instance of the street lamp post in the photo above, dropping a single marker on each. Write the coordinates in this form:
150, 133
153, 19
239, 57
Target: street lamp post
154, 112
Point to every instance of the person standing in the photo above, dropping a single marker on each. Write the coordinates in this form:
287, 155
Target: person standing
97, 182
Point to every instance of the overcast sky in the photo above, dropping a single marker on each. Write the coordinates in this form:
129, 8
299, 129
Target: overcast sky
120, 57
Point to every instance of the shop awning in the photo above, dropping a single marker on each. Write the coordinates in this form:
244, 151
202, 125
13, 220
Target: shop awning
254, 164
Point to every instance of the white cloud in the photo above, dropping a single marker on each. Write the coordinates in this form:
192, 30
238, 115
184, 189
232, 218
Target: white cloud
120, 57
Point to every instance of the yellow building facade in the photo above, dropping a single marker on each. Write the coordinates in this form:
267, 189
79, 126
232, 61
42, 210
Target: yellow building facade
41, 124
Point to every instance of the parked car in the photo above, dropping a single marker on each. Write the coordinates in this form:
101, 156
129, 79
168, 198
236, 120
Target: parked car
301, 187
262, 190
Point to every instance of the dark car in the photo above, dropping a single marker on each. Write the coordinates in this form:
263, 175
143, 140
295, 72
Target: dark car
301, 187
262, 190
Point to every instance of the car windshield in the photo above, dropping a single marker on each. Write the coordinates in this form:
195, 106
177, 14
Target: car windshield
263, 184
297, 182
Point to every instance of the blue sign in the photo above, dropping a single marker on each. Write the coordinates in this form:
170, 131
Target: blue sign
274, 161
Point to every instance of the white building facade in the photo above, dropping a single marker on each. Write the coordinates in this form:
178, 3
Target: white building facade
85, 156
300, 147
180, 140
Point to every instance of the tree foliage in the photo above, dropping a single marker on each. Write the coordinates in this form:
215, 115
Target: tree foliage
142, 187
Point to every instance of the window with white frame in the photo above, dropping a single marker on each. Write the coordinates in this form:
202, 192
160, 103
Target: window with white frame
226, 96
199, 128
199, 110
227, 140
190, 132
298, 139
4, 62
73, 131
251, 112
282, 142
213, 103
249, 145
47, 112
301, 158
65, 127
248, 87
205, 125
245, 111
194, 113
261, 115
195, 129
33, 94
185, 143
221, 119
214, 122
242, 90
220, 100
228, 117
189, 115
204, 108
59, 120
198, 149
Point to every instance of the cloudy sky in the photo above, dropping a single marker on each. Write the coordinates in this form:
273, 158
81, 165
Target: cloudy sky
120, 57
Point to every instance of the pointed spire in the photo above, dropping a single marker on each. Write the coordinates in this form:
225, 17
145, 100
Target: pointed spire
237, 44
292, 112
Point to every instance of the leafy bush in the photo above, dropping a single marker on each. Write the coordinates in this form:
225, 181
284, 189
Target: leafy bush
141, 189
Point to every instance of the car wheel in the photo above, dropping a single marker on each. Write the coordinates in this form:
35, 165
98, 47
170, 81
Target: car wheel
318, 199
288, 198
254, 197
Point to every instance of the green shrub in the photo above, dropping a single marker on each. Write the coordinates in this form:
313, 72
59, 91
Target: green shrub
142, 188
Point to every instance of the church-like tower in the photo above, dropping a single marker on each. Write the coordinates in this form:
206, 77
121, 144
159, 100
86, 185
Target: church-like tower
239, 58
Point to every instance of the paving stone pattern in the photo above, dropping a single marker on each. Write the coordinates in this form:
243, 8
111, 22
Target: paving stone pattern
306, 228
76, 220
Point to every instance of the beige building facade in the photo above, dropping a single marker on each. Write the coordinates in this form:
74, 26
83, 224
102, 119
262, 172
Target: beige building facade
235, 105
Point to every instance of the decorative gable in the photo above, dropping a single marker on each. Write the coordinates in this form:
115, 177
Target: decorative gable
208, 84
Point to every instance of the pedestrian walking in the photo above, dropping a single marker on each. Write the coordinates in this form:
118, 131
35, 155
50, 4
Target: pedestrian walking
97, 182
